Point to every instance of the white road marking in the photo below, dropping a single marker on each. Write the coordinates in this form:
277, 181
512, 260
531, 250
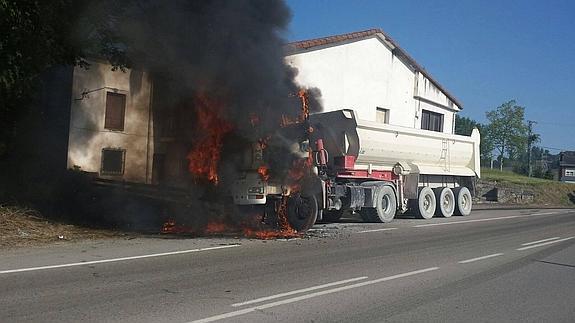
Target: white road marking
377, 230
115, 259
480, 258
308, 296
299, 291
544, 244
546, 213
539, 241
483, 220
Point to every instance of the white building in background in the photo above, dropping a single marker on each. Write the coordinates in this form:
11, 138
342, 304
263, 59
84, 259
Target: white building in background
368, 72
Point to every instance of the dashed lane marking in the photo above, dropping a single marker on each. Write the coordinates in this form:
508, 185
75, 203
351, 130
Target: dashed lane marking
544, 244
538, 241
545, 213
377, 230
480, 258
308, 296
299, 291
180, 252
483, 220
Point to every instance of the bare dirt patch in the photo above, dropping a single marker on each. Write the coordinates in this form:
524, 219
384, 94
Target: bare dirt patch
21, 227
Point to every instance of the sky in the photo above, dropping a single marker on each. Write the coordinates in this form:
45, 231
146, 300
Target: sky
484, 52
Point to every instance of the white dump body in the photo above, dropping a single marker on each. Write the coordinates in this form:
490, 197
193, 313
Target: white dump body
379, 146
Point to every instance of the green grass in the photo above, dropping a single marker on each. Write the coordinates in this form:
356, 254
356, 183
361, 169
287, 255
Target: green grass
510, 177
547, 192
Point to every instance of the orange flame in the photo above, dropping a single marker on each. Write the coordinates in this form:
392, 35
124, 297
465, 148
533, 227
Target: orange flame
204, 158
269, 234
264, 173
171, 227
219, 227
283, 217
216, 227
304, 115
302, 94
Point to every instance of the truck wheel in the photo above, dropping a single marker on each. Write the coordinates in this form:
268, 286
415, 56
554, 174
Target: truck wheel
426, 203
302, 212
463, 201
385, 207
445, 202
332, 216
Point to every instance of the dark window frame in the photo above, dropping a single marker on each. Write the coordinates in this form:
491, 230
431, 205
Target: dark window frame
104, 171
386, 111
432, 121
112, 121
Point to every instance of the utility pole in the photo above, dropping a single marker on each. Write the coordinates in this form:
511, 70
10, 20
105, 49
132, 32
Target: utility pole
529, 142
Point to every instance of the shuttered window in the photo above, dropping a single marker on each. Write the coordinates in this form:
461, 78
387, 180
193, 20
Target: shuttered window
113, 161
431, 121
115, 111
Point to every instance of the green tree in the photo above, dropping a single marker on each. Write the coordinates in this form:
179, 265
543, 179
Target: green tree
464, 126
37, 35
507, 130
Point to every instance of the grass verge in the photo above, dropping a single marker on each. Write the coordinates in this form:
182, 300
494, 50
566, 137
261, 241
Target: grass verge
546, 192
21, 227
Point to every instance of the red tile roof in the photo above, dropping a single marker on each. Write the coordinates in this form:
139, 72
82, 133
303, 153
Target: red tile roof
304, 45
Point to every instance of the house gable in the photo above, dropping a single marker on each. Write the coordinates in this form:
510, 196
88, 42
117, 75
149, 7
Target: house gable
428, 81
368, 72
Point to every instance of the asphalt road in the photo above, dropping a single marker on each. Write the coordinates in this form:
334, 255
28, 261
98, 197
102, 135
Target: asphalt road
498, 265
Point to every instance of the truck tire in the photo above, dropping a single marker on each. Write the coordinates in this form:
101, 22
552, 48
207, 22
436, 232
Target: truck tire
425, 204
385, 207
463, 201
332, 215
445, 202
302, 212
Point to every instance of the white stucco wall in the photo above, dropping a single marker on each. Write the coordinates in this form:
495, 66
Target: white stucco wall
87, 133
365, 74
426, 90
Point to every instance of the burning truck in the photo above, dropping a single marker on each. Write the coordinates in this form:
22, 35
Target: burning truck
376, 170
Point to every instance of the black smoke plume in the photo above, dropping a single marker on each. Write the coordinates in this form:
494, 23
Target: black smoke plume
232, 51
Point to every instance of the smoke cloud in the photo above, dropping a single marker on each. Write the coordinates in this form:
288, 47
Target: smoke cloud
232, 51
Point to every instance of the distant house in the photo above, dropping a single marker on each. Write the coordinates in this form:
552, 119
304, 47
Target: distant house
567, 166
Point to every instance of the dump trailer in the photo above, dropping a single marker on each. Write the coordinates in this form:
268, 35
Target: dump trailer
377, 170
